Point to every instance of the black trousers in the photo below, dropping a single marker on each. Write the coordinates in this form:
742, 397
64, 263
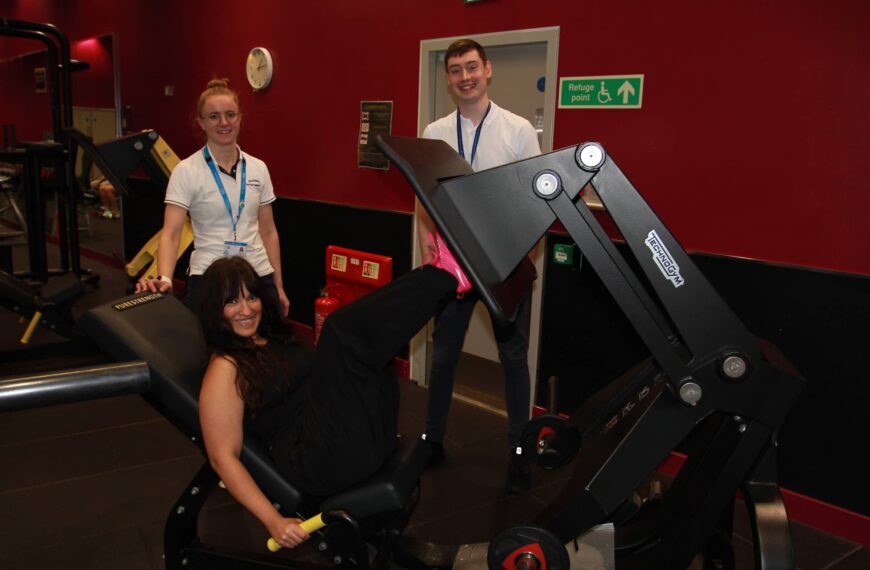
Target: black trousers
451, 325
347, 425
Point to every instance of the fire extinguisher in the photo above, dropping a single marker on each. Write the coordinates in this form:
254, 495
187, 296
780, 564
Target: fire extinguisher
323, 306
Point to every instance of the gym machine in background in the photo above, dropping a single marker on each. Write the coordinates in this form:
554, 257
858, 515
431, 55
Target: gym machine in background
123, 161
49, 304
44, 295
117, 159
56, 154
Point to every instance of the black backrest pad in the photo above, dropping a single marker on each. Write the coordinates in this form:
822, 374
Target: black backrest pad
489, 219
160, 330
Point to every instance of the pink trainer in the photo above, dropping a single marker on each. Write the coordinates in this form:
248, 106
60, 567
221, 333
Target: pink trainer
445, 260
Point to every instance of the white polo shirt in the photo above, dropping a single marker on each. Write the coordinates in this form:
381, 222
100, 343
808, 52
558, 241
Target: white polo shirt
505, 137
192, 186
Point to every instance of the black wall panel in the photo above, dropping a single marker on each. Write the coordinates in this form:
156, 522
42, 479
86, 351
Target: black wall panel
820, 320
307, 227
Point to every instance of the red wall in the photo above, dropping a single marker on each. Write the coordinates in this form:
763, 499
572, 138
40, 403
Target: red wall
20, 105
751, 141
94, 87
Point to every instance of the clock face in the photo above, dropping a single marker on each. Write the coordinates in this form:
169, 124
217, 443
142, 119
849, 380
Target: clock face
259, 68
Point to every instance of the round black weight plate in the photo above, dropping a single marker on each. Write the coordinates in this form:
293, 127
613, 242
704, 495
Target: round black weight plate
527, 548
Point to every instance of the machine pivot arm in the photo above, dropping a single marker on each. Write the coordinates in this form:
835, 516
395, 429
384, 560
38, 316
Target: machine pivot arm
491, 219
682, 288
621, 282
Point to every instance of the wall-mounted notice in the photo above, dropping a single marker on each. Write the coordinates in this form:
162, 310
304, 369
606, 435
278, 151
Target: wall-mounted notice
602, 92
375, 118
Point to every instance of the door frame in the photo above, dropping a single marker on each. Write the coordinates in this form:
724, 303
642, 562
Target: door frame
429, 66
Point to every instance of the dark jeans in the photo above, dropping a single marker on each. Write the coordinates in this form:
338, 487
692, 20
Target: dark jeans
351, 408
451, 324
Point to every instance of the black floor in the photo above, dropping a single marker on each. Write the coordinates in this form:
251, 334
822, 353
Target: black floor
89, 485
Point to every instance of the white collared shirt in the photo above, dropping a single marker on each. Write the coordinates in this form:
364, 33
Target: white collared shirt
193, 188
505, 137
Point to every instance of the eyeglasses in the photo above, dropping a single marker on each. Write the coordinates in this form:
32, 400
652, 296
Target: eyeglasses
470, 68
229, 116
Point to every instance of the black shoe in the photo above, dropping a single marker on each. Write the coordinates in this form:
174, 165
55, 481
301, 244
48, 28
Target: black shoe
437, 450
517, 472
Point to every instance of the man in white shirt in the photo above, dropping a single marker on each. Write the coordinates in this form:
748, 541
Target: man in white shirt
487, 136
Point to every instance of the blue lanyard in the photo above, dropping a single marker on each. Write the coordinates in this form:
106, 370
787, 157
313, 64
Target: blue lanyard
220, 185
461, 147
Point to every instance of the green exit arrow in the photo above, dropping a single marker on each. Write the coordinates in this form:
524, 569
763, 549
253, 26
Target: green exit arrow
601, 92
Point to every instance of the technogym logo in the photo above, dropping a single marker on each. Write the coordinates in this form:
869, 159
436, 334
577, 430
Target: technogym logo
663, 259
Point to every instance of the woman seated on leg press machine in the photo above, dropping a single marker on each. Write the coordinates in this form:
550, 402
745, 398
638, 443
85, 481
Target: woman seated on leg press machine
328, 416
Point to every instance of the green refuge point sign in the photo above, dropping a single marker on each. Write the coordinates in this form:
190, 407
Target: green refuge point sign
563, 253
602, 92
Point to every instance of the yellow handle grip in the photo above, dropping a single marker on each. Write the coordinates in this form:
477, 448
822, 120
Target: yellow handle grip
309, 526
37, 316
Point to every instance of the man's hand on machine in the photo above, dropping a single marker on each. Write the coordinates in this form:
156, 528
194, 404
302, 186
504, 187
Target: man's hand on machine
161, 284
290, 533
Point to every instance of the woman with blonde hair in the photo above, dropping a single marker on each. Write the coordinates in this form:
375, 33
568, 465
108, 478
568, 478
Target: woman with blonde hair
228, 195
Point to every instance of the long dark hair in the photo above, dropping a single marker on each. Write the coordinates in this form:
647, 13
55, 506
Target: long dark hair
222, 282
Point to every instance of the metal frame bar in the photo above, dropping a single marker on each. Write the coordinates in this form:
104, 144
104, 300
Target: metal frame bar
80, 384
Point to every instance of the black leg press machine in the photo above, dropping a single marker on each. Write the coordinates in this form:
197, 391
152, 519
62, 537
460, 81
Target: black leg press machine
710, 389
710, 386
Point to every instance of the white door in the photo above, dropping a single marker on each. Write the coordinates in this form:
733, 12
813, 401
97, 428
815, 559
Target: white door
524, 78
97, 123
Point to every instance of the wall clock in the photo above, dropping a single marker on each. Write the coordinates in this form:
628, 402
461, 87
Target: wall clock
259, 68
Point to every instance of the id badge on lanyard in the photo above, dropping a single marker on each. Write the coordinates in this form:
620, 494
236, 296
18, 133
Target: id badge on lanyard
460, 146
232, 247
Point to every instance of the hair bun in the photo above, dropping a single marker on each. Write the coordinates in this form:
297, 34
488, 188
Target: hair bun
218, 83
